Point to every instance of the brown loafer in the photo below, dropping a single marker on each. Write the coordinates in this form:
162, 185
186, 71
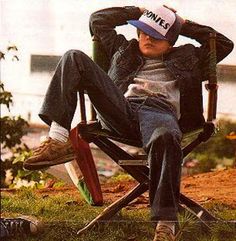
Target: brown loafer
163, 233
49, 153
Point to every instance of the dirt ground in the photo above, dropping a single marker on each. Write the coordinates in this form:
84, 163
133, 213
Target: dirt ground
217, 187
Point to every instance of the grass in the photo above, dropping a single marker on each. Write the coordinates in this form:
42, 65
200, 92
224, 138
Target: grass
64, 214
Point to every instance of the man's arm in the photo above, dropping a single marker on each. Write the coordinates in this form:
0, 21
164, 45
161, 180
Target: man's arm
103, 23
201, 34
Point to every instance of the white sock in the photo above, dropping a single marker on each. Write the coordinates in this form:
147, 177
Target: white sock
59, 133
169, 224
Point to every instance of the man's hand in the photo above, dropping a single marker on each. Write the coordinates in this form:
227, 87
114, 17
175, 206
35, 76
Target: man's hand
141, 9
172, 9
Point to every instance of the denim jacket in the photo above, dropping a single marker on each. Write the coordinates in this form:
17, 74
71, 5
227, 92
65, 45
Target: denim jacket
189, 64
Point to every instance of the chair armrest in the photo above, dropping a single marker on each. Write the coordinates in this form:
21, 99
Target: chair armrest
212, 86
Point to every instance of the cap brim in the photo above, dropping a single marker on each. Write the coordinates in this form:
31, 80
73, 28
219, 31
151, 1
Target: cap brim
146, 29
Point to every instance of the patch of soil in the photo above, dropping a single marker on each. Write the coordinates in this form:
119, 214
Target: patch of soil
217, 187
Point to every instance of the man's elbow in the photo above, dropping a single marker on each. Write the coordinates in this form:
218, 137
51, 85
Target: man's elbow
224, 50
93, 23
231, 46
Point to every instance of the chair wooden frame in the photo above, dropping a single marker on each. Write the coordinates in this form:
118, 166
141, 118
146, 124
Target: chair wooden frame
92, 132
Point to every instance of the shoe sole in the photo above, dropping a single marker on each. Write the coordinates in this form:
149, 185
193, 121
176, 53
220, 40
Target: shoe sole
43, 165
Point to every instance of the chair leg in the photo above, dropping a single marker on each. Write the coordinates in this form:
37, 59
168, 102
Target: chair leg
197, 209
198, 216
116, 206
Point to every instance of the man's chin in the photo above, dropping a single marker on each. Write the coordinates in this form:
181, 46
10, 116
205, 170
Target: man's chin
151, 54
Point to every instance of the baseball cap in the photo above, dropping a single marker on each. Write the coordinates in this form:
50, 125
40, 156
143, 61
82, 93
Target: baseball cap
159, 23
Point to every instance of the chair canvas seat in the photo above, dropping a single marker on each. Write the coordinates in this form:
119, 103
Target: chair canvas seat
94, 128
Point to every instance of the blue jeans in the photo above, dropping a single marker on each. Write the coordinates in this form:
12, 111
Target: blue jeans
150, 120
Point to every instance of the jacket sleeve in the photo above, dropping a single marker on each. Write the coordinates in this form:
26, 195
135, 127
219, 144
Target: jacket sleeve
201, 34
103, 22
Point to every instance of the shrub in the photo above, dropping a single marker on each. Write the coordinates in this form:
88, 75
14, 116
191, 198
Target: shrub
217, 149
12, 130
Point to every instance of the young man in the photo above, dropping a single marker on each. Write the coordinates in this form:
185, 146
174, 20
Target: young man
152, 92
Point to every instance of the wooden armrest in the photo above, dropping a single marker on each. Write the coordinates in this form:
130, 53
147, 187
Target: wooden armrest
212, 86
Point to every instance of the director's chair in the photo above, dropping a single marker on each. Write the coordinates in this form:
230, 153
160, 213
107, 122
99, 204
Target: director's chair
136, 165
